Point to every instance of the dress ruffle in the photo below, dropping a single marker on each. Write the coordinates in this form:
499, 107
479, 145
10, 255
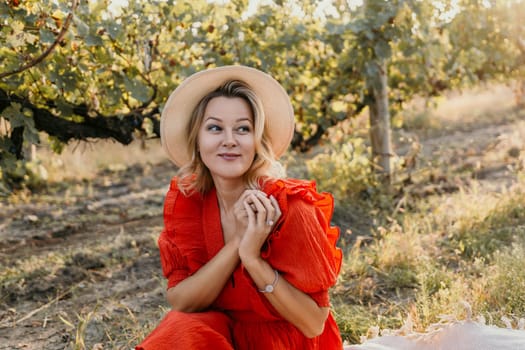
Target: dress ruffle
180, 243
303, 245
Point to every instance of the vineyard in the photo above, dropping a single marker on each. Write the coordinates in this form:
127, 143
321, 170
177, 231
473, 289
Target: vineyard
410, 112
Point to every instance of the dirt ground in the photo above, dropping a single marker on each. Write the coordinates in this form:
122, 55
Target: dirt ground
84, 246
87, 252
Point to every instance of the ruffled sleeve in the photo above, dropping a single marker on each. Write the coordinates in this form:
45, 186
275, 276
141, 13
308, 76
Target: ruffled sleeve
303, 246
174, 266
181, 250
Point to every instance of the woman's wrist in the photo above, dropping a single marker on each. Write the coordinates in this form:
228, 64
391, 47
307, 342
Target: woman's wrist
235, 242
251, 261
263, 274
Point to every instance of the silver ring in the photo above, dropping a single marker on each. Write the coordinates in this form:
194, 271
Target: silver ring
269, 222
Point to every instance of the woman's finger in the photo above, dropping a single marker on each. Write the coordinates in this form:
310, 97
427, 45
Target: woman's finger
266, 208
272, 208
249, 213
260, 209
245, 196
240, 211
269, 207
239, 205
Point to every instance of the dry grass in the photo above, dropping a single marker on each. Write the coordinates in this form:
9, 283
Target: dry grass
492, 104
471, 106
437, 250
83, 160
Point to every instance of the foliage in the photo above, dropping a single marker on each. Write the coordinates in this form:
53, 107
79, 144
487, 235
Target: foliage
77, 70
440, 280
344, 169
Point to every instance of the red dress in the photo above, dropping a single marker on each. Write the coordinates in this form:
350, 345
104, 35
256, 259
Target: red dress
302, 248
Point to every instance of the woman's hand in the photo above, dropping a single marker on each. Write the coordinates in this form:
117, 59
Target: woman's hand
239, 211
262, 213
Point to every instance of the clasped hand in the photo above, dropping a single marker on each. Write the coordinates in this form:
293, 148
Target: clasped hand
259, 215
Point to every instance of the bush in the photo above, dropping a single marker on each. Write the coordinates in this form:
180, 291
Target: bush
344, 169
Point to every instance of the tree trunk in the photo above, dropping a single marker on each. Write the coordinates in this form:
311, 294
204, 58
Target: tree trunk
380, 134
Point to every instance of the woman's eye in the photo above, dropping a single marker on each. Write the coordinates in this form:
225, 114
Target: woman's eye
213, 127
244, 128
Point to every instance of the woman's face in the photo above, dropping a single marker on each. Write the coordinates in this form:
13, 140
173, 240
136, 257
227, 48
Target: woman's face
226, 139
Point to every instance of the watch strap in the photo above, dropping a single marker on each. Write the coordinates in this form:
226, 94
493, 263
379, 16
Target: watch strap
270, 287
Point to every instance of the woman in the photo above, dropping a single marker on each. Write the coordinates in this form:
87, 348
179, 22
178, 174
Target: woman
249, 257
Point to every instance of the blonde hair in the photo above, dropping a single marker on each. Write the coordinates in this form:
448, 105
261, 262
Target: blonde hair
195, 176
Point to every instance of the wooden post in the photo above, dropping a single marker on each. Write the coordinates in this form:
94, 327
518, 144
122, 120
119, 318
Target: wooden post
380, 133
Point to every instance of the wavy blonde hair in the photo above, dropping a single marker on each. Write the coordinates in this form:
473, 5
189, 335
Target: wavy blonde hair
196, 177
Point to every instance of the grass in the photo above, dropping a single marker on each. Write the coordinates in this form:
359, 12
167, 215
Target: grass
425, 270
409, 260
85, 160
459, 110
443, 253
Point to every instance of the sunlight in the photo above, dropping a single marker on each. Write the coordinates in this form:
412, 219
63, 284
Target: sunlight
447, 10
353, 4
325, 8
115, 6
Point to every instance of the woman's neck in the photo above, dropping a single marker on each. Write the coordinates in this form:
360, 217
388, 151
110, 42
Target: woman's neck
228, 193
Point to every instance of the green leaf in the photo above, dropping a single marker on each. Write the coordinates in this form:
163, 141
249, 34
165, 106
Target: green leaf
113, 95
137, 89
114, 30
7, 160
16, 40
66, 81
14, 115
4, 10
104, 56
82, 27
64, 108
5, 143
356, 26
31, 134
19, 117
56, 145
30, 38
46, 36
17, 27
93, 40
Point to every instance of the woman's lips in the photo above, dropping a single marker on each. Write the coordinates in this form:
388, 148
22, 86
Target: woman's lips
229, 156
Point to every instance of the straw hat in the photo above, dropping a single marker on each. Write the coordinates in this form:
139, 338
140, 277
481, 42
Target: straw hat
179, 107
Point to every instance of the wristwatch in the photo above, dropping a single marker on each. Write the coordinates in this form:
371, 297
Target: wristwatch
270, 287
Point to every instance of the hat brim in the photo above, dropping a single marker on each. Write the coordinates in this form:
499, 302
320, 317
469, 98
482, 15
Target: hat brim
183, 100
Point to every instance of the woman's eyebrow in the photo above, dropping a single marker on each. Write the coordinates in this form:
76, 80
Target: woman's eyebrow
244, 119
220, 120
212, 117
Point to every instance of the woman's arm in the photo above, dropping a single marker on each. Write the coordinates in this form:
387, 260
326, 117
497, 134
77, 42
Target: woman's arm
199, 290
292, 304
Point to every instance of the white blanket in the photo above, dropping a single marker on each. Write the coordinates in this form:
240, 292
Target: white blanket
460, 335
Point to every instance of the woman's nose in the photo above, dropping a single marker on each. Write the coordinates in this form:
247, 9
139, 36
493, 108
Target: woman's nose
229, 138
